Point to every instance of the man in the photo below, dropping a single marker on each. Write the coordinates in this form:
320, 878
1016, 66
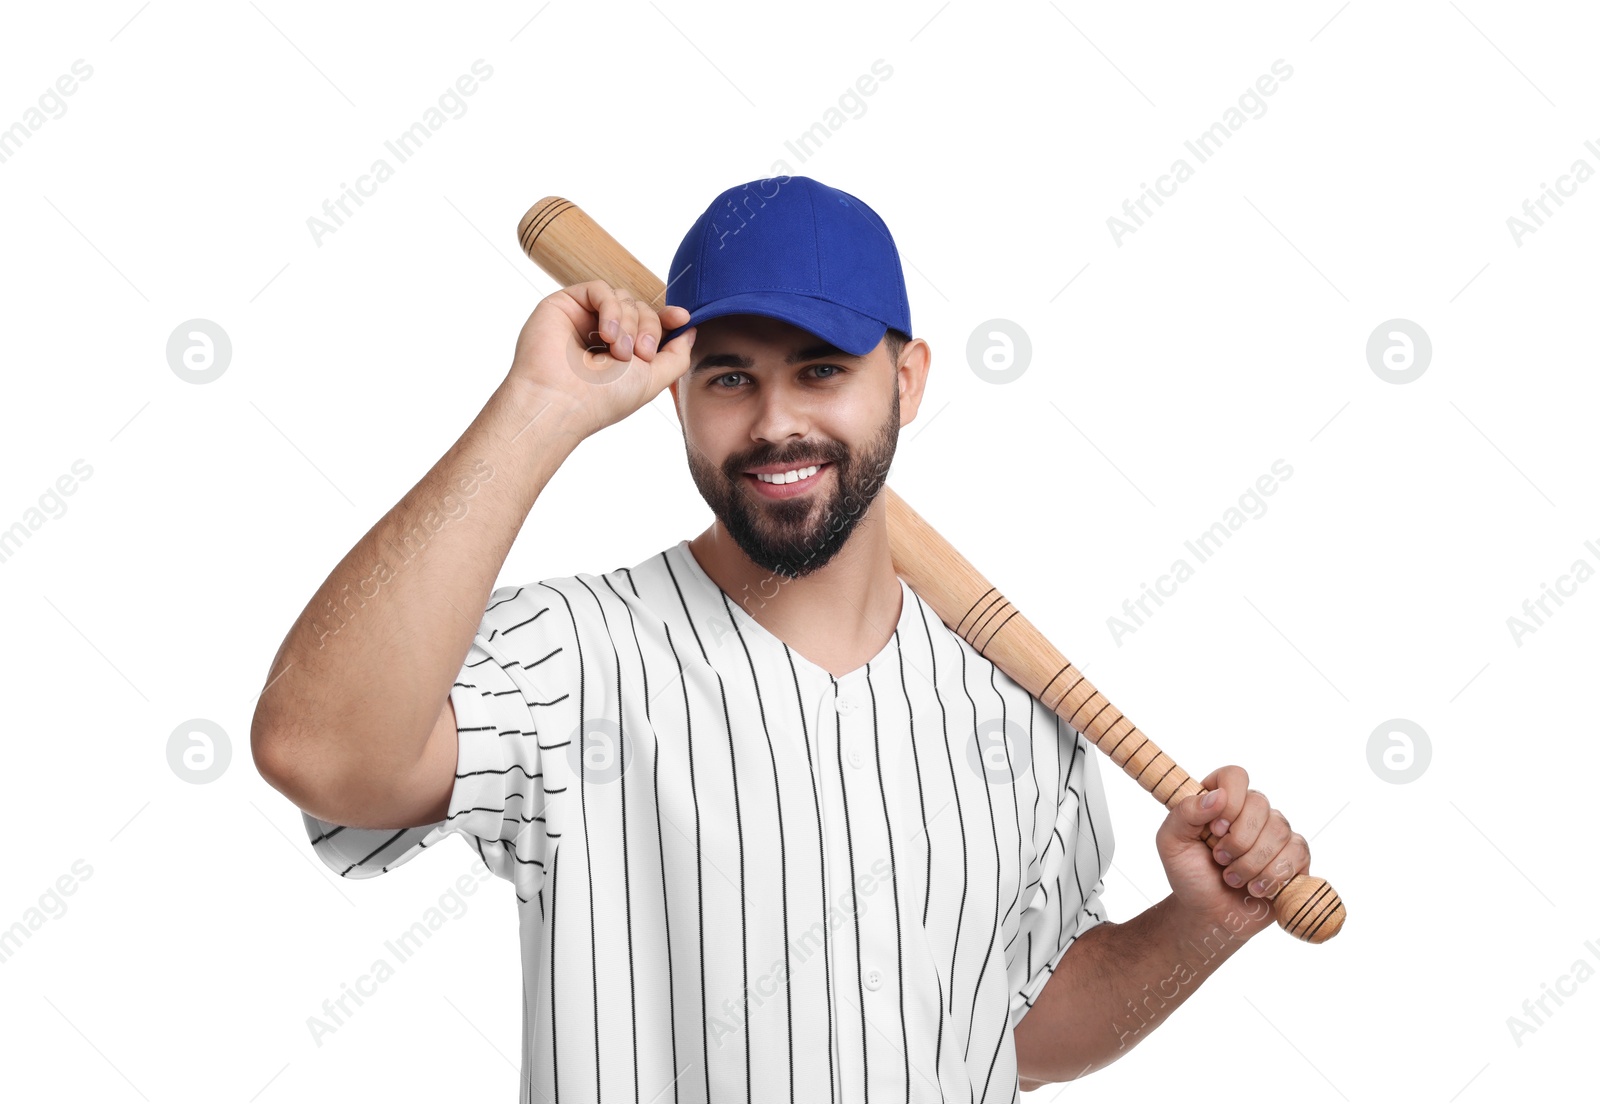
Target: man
775, 831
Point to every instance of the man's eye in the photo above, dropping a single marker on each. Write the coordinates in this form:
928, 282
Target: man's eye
835, 370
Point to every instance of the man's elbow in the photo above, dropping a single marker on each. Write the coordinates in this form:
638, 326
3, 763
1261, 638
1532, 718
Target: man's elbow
285, 760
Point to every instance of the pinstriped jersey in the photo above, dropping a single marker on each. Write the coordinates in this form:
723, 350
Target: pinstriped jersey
741, 877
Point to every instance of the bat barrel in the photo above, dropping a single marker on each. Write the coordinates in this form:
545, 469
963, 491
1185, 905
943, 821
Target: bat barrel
559, 237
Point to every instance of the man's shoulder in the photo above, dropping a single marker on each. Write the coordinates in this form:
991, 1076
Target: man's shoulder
584, 598
961, 664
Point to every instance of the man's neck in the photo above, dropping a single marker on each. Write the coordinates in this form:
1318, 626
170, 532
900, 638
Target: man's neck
838, 616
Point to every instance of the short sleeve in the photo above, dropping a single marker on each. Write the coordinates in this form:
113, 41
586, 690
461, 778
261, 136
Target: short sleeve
499, 802
1066, 901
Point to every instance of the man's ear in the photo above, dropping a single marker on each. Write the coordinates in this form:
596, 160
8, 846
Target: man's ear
916, 359
673, 387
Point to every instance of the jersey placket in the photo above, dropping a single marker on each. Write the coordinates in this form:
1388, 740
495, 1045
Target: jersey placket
860, 890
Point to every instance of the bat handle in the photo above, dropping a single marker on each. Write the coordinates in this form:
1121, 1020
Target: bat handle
1305, 906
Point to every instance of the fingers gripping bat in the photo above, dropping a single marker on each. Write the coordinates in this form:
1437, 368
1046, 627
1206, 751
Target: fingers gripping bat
572, 248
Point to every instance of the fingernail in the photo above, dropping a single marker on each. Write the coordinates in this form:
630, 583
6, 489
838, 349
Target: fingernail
1224, 858
1221, 826
647, 343
625, 347
1258, 886
1208, 800
1232, 878
609, 327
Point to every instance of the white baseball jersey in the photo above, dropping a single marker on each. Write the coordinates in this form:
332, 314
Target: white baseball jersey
743, 878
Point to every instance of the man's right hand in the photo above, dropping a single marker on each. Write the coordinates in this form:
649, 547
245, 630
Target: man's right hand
591, 349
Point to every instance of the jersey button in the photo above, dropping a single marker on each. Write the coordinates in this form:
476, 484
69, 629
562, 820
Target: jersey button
856, 758
845, 705
874, 980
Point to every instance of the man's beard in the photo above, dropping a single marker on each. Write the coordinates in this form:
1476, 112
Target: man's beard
793, 537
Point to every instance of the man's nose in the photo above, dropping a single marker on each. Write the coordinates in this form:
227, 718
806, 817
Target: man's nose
780, 414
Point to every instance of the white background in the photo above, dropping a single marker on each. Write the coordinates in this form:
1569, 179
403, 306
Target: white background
1228, 332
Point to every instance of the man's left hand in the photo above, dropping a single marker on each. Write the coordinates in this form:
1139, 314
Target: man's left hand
1256, 855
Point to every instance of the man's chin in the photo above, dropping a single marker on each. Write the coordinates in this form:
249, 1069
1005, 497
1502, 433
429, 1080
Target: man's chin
786, 555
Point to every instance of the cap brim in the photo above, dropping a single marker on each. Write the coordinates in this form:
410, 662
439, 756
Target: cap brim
853, 332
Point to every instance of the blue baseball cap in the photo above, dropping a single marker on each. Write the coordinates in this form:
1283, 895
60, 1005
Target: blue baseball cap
791, 248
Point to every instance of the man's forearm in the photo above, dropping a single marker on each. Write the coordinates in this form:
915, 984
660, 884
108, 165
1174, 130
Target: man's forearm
364, 671
1119, 982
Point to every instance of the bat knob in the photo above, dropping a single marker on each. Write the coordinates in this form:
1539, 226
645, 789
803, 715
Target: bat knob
1308, 908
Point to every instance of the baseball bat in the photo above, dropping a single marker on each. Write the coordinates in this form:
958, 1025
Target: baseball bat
572, 248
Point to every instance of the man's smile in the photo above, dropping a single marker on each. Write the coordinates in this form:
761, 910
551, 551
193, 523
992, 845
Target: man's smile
786, 483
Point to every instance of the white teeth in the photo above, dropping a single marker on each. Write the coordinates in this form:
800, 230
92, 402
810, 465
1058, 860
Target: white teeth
790, 476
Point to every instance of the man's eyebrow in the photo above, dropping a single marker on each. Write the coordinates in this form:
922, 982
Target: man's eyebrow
799, 356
